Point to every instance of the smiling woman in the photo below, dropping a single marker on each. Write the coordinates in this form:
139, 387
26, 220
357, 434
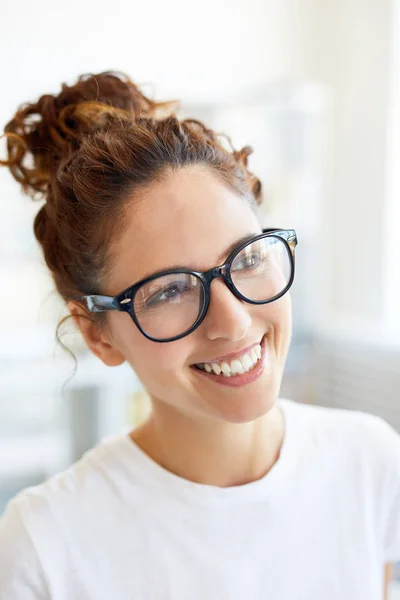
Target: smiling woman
150, 229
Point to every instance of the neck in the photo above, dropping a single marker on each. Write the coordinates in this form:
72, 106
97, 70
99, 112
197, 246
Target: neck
213, 453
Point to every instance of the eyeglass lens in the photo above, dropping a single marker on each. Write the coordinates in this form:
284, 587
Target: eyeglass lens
170, 304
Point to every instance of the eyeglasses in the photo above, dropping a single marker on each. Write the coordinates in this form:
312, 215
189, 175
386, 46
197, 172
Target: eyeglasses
171, 304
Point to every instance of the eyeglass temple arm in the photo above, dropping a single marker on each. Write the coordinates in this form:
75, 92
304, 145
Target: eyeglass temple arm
288, 232
290, 236
96, 303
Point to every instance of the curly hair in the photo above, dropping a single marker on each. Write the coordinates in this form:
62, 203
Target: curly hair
89, 151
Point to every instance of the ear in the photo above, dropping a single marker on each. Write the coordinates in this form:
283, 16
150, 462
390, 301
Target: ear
96, 336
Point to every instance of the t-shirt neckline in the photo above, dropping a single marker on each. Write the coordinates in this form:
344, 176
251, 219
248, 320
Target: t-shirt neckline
154, 475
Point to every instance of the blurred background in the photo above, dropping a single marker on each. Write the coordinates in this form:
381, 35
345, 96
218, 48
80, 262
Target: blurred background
314, 87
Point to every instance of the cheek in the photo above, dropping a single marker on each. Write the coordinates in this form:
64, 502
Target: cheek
152, 362
161, 368
285, 311
284, 320
278, 315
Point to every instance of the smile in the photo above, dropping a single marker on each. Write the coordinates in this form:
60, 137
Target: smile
239, 371
237, 366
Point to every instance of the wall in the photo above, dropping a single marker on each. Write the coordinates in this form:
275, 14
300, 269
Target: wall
347, 45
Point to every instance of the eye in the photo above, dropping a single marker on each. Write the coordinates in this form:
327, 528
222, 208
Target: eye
169, 293
253, 259
248, 261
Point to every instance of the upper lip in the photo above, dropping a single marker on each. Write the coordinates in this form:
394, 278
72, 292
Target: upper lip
230, 356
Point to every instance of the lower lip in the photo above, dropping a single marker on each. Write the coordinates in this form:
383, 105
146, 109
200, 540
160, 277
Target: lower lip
239, 380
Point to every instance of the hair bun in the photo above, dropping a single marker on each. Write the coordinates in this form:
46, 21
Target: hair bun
41, 134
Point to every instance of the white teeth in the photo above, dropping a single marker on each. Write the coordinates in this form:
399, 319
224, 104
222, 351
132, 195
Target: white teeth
225, 368
216, 368
247, 362
236, 366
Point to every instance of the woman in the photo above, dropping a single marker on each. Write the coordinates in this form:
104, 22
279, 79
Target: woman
150, 230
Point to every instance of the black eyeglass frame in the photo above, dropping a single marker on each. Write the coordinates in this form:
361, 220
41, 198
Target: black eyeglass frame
124, 301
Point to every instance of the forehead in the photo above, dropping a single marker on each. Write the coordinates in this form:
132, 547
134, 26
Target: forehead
188, 219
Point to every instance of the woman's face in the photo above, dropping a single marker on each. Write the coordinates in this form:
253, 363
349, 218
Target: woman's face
191, 219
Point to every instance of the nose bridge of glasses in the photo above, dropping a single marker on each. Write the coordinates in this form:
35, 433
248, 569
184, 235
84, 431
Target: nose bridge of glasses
225, 299
219, 271
215, 273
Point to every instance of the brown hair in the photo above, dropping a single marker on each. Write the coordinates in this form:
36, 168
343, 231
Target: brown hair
88, 151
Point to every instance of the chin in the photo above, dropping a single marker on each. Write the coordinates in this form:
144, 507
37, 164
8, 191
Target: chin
248, 407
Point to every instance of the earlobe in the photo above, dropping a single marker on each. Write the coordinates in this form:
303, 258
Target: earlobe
96, 336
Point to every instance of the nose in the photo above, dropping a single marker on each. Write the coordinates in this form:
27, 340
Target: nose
227, 316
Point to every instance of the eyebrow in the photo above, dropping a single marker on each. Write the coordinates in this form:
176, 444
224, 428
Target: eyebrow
242, 240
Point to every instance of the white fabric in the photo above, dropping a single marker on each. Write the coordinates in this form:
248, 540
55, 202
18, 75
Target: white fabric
116, 525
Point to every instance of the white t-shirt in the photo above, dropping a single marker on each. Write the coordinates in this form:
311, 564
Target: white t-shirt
117, 526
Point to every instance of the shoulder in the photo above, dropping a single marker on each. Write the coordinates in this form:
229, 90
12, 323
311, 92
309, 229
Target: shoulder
37, 518
65, 494
362, 434
329, 417
42, 521
21, 572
